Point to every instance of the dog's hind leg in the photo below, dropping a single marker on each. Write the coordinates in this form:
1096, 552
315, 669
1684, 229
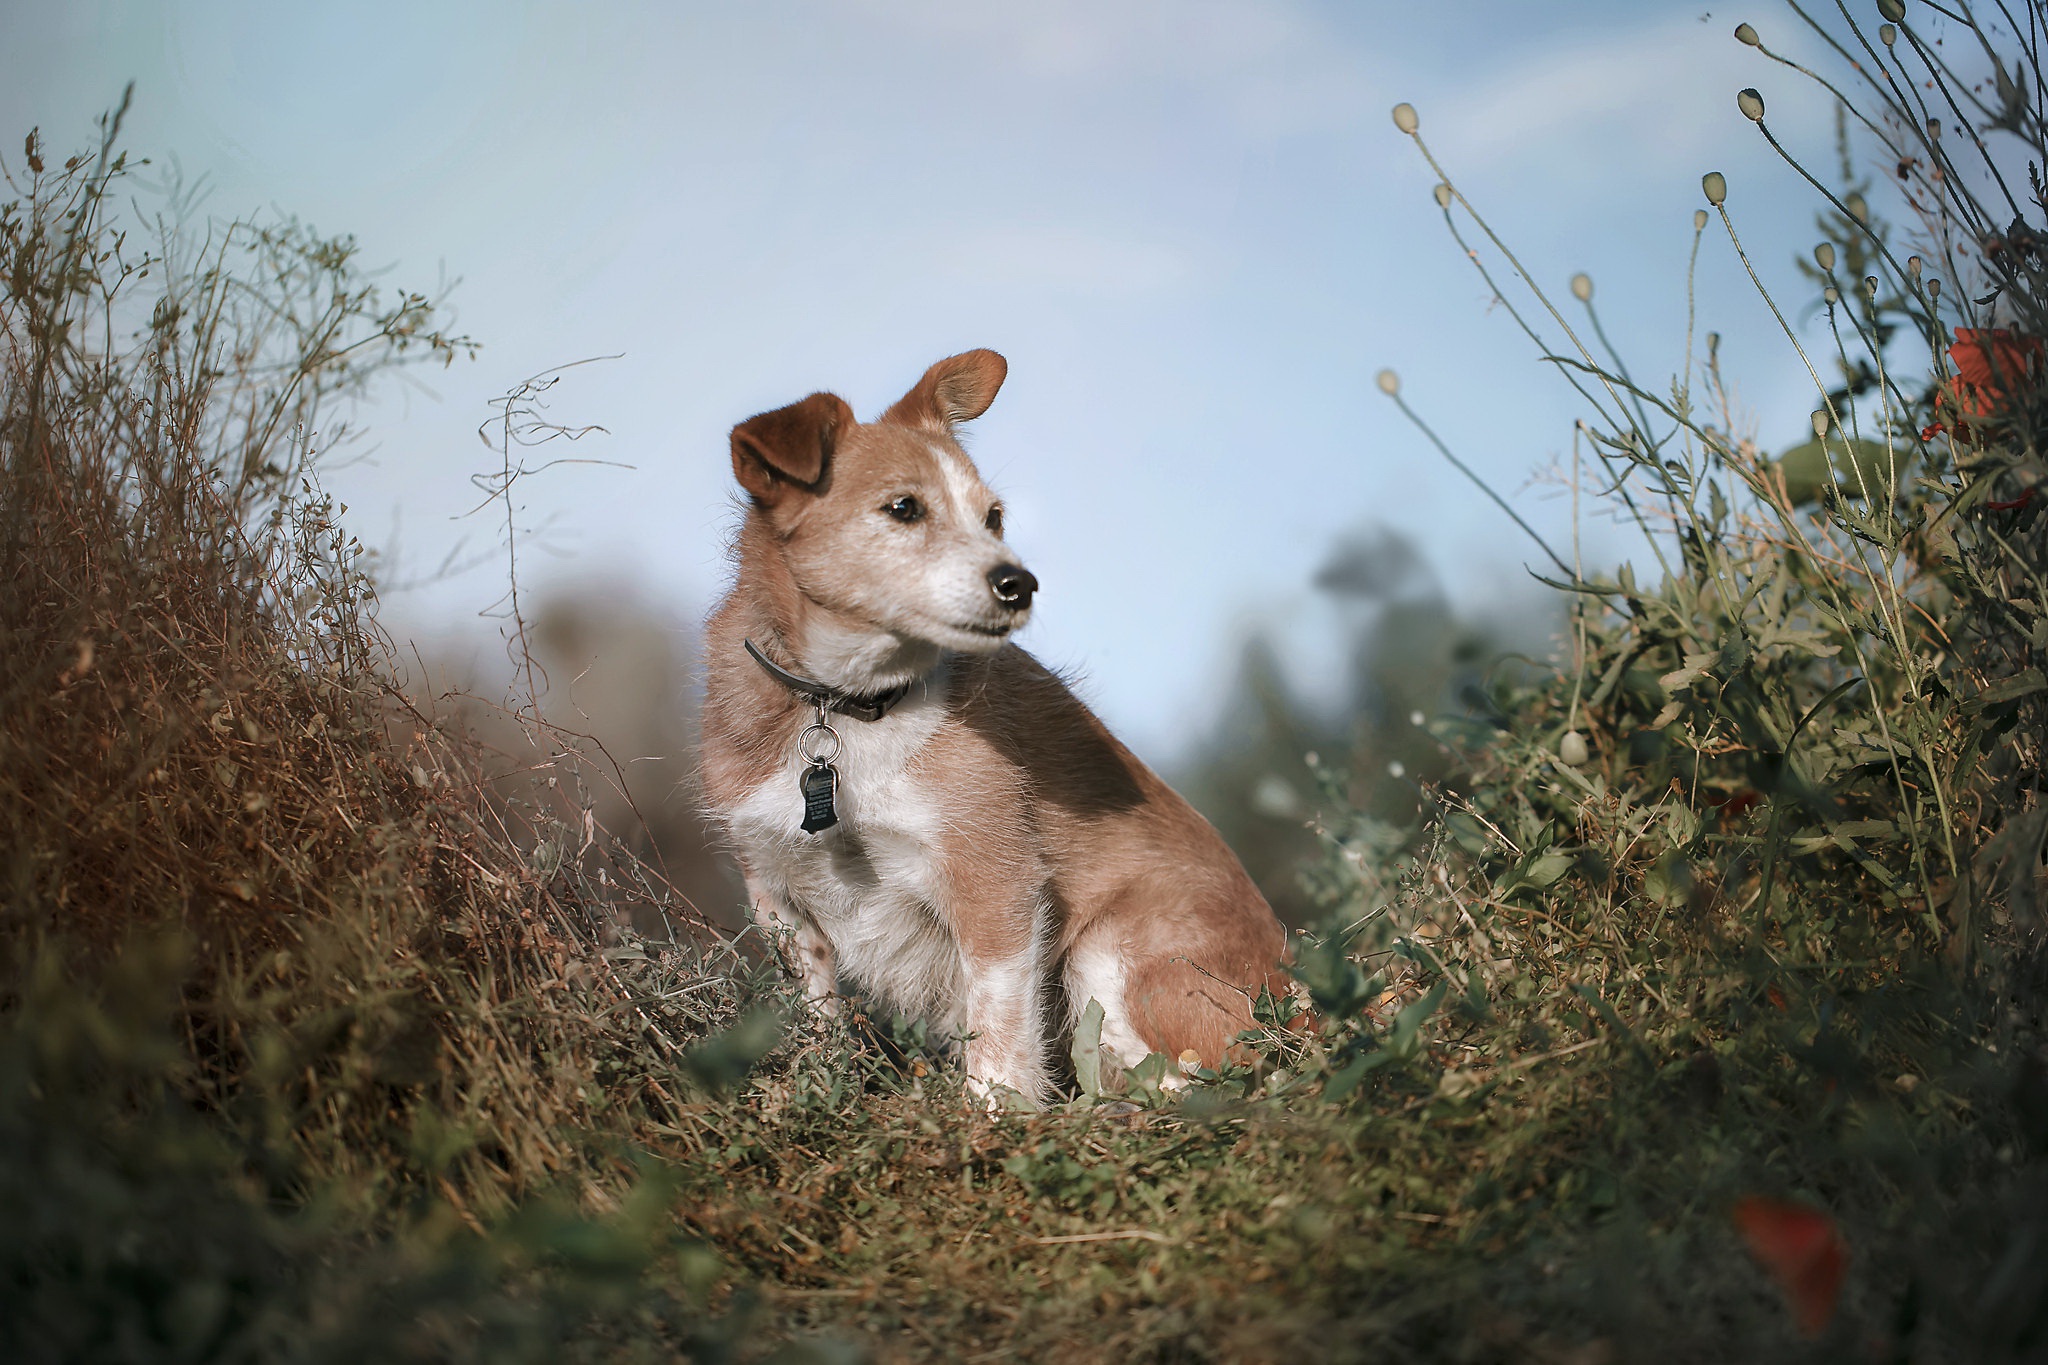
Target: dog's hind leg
1096, 970
805, 952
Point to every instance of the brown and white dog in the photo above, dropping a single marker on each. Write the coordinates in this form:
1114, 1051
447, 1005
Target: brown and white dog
992, 838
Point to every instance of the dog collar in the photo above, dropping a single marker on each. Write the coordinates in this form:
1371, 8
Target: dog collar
871, 707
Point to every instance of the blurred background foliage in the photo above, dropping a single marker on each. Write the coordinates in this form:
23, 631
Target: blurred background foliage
1675, 950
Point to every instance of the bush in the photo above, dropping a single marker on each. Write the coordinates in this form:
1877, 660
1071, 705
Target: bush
307, 1048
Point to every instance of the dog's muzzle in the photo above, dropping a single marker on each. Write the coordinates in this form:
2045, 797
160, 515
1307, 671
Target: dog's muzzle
1013, 585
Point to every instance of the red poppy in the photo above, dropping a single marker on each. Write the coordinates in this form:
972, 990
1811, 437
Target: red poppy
1991, 363
1804, 1252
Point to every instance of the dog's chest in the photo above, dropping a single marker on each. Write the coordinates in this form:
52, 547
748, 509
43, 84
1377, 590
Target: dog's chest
881, 859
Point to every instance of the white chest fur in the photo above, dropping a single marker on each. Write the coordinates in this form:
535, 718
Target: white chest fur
871, 883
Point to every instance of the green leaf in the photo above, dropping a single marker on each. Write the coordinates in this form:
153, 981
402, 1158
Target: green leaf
1087, 1051
1547, 869
1852, 466
1403, 1043
1669, 880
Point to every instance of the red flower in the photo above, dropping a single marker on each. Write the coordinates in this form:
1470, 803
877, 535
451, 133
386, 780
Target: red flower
1991, 364
1804, 1252
2026, 496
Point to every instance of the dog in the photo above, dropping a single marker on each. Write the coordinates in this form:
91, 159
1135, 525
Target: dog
919, 807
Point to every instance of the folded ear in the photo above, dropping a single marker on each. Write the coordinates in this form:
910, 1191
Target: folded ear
957, 389
790, 447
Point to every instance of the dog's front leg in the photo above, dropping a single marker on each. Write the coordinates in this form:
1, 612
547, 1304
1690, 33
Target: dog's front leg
1003, 969
805, 952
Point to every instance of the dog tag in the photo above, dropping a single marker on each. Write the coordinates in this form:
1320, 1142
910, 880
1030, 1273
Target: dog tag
818, 783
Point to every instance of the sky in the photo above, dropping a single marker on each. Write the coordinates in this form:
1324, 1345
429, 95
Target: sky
1190, 225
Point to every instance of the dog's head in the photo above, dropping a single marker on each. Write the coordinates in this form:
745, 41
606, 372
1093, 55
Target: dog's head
886, 524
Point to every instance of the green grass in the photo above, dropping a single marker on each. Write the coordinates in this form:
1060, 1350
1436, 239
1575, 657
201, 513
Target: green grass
316, 1044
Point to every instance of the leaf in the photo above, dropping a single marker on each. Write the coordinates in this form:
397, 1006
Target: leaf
1804, 1252
725, 1058
1548, 869
1343, 1082
1087, 1051
2019, 685
1403, 1041
1861, 465
1669, 881
1696, 666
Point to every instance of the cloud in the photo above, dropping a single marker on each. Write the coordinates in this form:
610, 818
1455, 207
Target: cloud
1272, 69
1654, 93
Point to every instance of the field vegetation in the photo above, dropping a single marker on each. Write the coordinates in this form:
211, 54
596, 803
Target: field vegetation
1678, 995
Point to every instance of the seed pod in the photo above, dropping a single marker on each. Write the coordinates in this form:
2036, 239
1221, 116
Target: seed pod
1571, 747
1913, 266
1751, 104
1746, 35
1390, 383
1443, 196
1894, 10
1870, 285
1887, 35
1404, 118
1934, 130
1934, 289
1824, 255
1830, 296
1582, 287
1858, 210
1716, 186
1699, 220
1820, 423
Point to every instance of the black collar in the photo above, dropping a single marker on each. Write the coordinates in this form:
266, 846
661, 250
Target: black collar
872, 707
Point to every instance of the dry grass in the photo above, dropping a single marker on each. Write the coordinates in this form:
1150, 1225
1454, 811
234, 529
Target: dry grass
315, 1045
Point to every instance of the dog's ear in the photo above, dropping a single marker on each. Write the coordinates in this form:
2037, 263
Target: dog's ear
790, 447
957, 389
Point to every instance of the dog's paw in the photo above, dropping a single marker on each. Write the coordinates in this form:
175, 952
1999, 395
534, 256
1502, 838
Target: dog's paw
995, 1097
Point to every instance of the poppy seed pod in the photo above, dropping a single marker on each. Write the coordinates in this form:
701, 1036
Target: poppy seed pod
1934, 130
1894, 10
1716, 186
1913, 266
1571, 747
1858, 210
1820, 423
1746, 35
1582, 287
1934, 289
1404, 118
1751, 104
1887, 35
1824, 255
1389, 382
1443, 195
1870, 285
1830, 296
1699, 220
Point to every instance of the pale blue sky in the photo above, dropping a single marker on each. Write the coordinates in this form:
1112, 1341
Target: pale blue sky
1189, 224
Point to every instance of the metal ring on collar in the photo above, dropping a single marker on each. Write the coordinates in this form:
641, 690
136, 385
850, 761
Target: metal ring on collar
808, 749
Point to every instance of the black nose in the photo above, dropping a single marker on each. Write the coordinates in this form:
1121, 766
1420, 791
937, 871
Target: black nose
1012, 585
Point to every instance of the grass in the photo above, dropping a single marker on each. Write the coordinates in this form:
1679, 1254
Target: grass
1695, 1015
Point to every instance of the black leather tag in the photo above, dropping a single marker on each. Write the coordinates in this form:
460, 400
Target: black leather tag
819, 782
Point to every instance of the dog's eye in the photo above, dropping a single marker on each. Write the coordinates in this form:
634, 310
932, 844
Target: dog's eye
994, 520
905, 509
